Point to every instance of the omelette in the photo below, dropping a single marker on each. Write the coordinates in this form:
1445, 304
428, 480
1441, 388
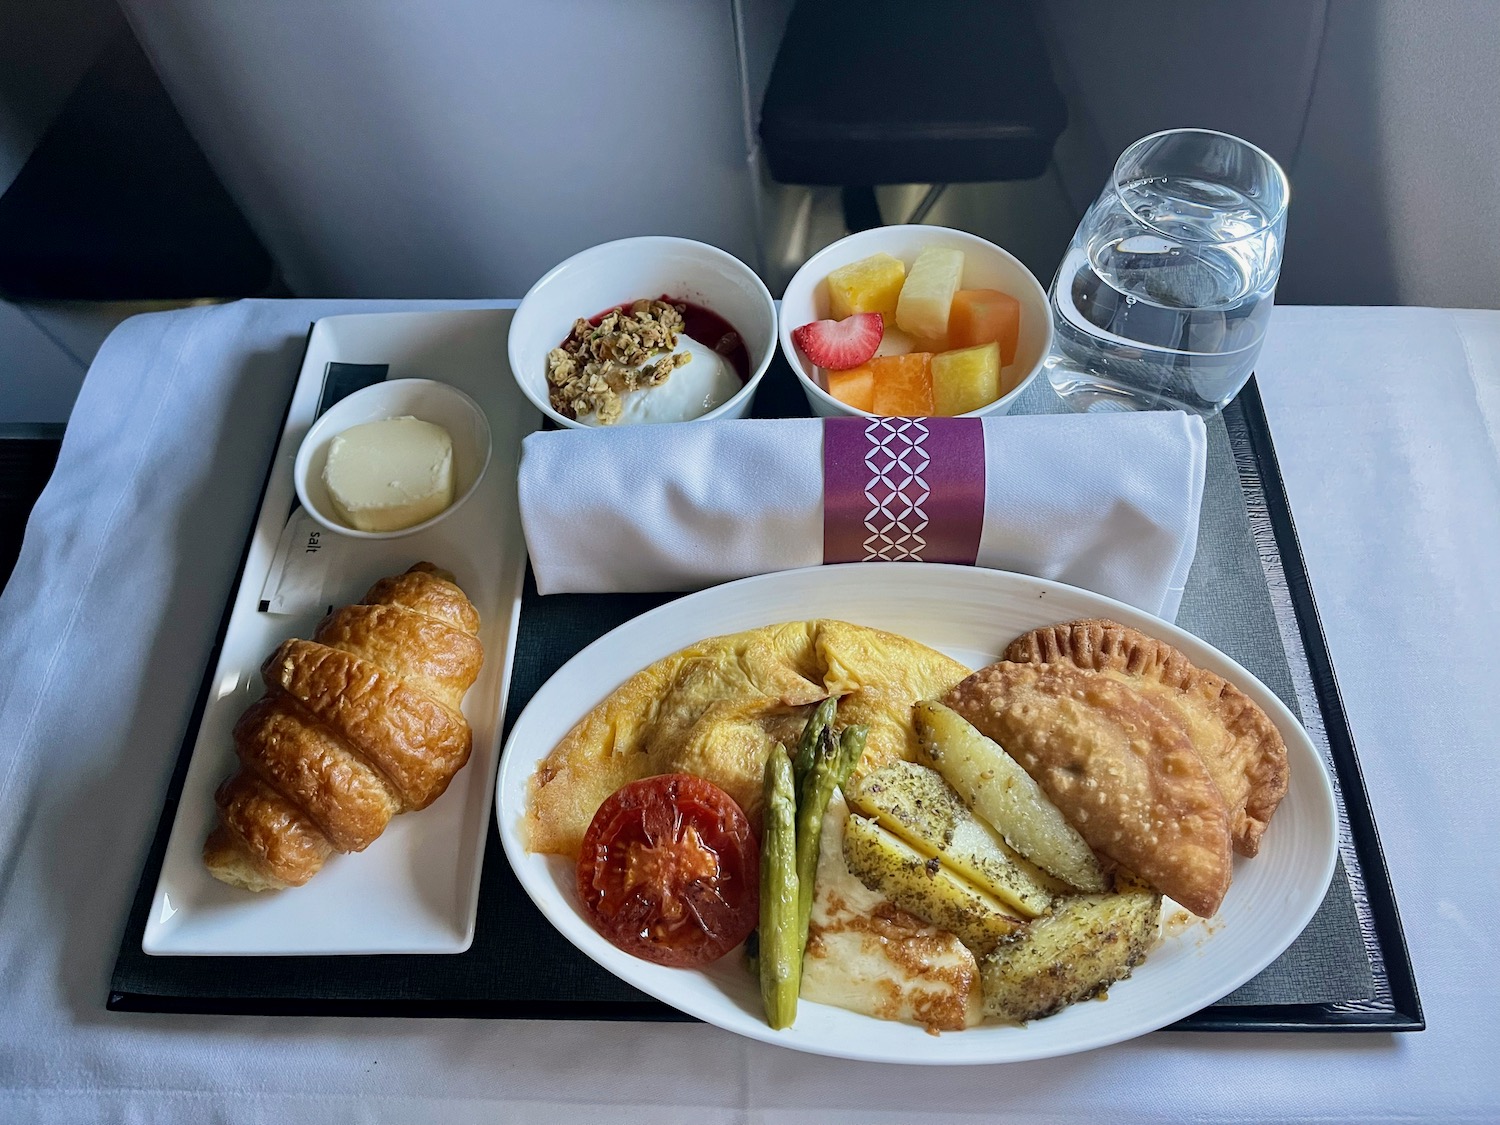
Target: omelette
717, 707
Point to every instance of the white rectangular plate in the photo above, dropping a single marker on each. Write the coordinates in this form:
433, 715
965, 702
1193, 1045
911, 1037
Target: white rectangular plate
416, 888
970, 613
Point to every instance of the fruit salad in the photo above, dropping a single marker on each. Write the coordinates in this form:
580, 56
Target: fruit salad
907, 340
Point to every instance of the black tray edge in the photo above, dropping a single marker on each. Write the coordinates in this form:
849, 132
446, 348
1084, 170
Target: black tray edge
606, 1011
1407, 1015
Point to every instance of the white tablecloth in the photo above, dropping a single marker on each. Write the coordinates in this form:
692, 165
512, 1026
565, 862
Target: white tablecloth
1386, 424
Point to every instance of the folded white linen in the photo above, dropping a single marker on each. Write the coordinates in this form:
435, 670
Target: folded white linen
1107, 503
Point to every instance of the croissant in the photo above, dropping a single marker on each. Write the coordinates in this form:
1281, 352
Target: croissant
357, 725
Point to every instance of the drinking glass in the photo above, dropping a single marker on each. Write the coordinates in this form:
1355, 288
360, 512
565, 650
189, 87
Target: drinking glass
1162, 300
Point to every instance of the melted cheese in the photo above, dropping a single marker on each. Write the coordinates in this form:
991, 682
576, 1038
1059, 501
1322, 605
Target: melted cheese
868, 956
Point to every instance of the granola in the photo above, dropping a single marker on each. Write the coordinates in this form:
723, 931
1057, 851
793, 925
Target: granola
598, 363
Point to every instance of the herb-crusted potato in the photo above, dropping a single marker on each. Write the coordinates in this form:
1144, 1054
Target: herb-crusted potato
995, 786
1086, 944
917, 805
924, 887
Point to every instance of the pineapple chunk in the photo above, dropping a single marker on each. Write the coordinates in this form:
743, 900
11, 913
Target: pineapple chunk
995, 786
917, 805
927, 296
924, 887
1073, 954
966, 379
871, 284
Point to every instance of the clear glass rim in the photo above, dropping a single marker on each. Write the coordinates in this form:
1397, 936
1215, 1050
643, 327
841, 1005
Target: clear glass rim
1271, 221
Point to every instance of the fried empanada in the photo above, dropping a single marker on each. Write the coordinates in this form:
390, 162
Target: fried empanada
1237, 741
1118, 764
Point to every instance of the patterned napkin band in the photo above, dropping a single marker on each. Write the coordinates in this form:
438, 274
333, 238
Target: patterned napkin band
902, 489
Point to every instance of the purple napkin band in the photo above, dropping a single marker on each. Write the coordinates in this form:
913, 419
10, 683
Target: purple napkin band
902, 489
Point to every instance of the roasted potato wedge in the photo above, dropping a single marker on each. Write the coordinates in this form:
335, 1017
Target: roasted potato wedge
1003, 794
916, 804
922, 886
1086, 944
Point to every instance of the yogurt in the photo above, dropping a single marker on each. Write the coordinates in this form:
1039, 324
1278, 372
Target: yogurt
691, 391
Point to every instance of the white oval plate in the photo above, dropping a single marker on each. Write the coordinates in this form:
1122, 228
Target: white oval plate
971, 614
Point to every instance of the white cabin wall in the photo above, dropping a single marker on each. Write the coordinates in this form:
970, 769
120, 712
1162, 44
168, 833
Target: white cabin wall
1385, 114
1398, 185
459, 148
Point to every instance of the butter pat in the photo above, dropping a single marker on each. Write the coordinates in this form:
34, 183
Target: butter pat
390, 475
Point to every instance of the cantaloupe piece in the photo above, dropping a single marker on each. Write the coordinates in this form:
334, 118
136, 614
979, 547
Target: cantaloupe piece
855, 387
927, 295
979, 316
965, 379
871, 284
903, 385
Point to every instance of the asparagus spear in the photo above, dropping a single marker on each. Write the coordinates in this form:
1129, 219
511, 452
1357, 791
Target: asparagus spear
831, 767
851, 750
807, 747
780, 950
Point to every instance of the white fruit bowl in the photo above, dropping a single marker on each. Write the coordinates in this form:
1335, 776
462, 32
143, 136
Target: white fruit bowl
986, 266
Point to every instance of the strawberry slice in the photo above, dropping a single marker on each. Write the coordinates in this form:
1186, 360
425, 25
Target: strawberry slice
841, 344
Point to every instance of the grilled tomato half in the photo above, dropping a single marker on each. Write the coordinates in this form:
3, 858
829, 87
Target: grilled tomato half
670, 870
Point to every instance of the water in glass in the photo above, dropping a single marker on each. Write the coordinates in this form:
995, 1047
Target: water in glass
1163, 297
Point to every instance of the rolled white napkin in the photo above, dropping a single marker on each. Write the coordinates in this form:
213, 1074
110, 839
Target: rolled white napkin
1109, 503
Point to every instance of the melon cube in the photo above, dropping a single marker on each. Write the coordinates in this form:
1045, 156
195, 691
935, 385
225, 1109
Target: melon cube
871, 284
855, 387
927, 295
897, 342
965, 379
903, 385
981, 315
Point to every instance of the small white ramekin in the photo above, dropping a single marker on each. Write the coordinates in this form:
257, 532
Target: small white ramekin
431, 401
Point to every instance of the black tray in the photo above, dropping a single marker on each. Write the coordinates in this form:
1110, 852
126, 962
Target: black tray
520, 967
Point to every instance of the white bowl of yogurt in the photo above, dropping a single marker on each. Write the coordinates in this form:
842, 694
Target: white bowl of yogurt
713, 287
